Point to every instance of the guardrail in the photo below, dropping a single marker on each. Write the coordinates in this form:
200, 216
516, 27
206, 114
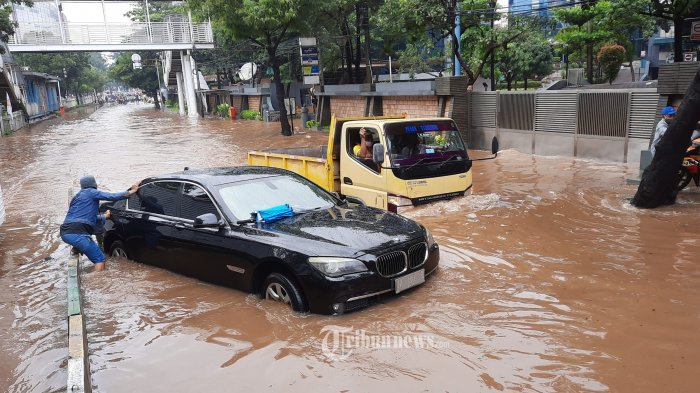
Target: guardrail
78, 365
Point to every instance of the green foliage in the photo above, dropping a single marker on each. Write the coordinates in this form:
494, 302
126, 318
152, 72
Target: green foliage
168, 103
81, 75
312, 123
529, 56
417, 58
157, 11
249, 114
223, 110
610, 58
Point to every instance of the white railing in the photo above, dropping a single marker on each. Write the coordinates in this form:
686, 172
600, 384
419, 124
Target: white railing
112, 33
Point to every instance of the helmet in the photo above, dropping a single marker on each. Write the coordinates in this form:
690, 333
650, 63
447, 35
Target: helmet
669, 110
88, 182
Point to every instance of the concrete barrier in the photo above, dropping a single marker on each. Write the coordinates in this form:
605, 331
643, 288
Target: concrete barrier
78, 365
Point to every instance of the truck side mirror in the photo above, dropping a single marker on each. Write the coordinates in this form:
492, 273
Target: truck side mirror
378, 153
494, 145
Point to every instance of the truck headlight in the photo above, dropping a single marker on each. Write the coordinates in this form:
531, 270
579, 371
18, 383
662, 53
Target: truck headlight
336, 266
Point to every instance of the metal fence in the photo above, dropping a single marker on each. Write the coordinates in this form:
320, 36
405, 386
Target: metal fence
628, 114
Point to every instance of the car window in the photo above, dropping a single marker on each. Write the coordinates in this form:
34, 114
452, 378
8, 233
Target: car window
157, 197
243, 198
195, 202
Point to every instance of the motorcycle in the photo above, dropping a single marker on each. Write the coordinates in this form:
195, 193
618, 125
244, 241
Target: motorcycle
690, 170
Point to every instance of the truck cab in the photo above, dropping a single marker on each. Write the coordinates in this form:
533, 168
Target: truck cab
414, 161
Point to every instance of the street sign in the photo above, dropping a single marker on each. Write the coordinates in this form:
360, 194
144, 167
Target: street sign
310, 60
695, 31
690, 56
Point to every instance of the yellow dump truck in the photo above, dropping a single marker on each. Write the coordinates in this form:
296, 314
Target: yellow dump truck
404, 161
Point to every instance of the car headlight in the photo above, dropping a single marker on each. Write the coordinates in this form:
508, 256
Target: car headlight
336, 266
429, 237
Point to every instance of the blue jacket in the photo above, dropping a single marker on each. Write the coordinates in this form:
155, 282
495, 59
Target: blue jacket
84, 207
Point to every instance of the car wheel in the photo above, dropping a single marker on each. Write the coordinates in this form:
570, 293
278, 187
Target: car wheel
118, 249
279, 288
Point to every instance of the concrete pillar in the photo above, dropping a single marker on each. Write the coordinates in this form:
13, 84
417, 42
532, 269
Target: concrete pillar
181, 93
189, 84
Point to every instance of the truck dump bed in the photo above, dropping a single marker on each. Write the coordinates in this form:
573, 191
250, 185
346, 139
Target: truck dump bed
310, 162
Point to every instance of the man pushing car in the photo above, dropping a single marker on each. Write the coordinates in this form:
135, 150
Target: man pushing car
83, 216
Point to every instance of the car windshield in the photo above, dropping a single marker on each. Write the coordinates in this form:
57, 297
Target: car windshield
247, 197
429, 141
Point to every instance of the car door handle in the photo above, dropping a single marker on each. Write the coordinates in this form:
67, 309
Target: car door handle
347, 180
180, 225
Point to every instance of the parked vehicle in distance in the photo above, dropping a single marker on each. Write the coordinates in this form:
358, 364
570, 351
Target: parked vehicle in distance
413, 161
272, 232
2, 208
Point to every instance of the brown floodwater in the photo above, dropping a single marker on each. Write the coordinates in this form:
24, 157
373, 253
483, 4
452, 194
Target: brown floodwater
549, 281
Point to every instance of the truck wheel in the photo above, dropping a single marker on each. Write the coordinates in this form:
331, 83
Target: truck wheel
118, 249
279, 288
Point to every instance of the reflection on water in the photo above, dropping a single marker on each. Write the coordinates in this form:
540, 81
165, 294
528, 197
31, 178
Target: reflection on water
549, 281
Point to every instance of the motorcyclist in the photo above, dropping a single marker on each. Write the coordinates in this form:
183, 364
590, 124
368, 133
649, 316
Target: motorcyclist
668, 113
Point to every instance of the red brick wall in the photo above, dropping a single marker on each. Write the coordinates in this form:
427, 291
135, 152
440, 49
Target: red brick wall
414, 106
254, 103
348, 106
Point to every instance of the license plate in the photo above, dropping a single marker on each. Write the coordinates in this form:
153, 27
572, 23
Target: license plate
409, 280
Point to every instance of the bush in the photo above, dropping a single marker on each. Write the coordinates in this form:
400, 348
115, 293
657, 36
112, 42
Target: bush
312, 124
168, 102
611, 58
249, 114
223, 110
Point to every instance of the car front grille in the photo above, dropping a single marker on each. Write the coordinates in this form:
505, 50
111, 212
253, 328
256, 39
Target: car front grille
392, 263
417, 255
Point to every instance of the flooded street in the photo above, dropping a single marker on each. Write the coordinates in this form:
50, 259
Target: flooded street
549, 281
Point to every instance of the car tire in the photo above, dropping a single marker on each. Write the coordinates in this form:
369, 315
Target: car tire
118, 249
279, 288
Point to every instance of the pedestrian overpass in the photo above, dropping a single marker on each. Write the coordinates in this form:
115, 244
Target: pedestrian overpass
100, 26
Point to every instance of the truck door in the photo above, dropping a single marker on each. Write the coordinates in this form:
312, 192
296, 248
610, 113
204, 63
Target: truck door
360, 176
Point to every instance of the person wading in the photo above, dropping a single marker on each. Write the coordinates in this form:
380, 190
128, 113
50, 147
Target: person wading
83, 216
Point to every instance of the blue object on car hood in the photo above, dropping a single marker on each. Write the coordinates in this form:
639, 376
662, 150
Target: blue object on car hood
275, 213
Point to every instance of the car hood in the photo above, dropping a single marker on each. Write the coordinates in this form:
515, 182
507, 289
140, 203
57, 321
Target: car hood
344, 231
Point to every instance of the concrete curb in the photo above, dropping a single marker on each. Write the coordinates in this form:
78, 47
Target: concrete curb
78, 365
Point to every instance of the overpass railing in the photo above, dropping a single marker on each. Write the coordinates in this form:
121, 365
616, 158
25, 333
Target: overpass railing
38, 33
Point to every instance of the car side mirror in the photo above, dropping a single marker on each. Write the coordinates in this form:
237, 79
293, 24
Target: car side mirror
207, 220
494, 145
355, 200
378, 153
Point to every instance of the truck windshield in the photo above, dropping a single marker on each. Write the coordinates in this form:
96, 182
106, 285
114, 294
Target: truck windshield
424, 143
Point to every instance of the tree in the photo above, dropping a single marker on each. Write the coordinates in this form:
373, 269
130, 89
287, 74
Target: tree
417, 58
7, 26
611, 58
674, 11
145, 78
660, 178
267, 23
157, 11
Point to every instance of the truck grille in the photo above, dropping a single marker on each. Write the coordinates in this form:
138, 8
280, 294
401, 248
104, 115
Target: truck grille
392, 263
417, 255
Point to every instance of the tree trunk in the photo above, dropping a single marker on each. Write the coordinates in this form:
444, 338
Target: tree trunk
368, 51
660, 178
678, 39
358, 43
279, 93
509, 80
632, 70
525, 83
156, 101
347, 47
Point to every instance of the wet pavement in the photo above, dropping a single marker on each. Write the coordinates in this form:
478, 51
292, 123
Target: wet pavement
549, 281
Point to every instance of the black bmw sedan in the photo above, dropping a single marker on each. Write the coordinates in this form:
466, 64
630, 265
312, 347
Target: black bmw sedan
272, 232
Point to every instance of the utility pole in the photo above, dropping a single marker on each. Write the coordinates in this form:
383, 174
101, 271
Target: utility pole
492, 4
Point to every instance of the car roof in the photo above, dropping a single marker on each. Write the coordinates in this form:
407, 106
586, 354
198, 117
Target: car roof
221, 175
